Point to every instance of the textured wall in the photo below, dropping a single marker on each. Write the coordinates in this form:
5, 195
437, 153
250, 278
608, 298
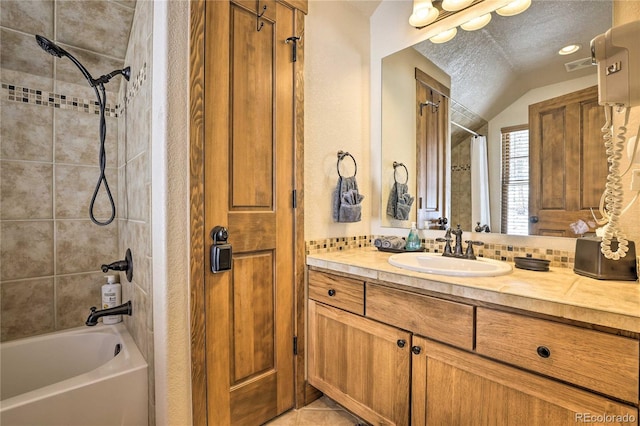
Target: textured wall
336, 113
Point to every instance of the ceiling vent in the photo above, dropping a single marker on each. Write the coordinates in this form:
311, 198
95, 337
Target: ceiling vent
578, 65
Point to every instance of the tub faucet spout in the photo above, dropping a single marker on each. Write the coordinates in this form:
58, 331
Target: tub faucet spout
124, 309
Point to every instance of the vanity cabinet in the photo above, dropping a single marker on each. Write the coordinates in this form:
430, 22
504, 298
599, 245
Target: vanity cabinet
450, 386
361, 364
395, 356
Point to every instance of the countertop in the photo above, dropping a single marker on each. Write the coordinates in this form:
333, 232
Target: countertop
559, 292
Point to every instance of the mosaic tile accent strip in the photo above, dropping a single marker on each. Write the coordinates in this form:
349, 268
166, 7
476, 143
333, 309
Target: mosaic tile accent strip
460, 167
507, 253
337, 244
134, 84
11, 92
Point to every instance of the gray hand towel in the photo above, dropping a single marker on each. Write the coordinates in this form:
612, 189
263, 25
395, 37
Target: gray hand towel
399, 203
397, 243
346, 200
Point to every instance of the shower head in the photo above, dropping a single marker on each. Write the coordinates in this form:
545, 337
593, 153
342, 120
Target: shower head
50, 47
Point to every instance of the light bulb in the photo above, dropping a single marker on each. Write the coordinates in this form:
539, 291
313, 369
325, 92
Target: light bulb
513, 8
454, 5
568, 50
444, 36
476, 23
423, 13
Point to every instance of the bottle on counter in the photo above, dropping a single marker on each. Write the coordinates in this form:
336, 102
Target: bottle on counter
413, 240
111, 297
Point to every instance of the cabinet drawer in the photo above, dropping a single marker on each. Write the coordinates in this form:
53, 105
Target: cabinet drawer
599, 361
341, 292
441, 320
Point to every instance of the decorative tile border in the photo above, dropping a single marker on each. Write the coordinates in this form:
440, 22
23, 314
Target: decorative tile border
507, 253
460, 167
11, 92
14, 93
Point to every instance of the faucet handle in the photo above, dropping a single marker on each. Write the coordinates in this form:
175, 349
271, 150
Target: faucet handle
469, 254
447, 246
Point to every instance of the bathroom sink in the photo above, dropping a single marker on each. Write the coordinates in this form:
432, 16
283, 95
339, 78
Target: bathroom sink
435, 263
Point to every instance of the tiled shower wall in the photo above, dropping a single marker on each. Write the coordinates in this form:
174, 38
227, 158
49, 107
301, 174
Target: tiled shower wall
461, 184
134, 173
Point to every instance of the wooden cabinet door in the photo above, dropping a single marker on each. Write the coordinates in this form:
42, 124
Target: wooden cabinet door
249, 179
361, 364
567, 162
453, 387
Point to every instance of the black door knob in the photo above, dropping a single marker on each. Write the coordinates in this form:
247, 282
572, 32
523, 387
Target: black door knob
543, 351
533, 219
416, 350
331, 292
401, 343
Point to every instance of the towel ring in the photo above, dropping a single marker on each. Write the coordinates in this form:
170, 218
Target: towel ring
395, 168
341, 155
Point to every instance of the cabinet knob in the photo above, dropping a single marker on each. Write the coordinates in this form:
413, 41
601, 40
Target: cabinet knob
331, 292
543, 351
401, 343
416, 350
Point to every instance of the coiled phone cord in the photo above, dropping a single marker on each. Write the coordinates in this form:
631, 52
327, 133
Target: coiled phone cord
613, 194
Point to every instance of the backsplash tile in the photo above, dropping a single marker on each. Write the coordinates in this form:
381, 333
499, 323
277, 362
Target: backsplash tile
507, 253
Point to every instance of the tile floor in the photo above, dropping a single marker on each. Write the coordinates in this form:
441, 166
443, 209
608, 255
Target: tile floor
322, 412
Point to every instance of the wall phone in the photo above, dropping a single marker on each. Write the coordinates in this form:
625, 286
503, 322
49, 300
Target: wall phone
617, 55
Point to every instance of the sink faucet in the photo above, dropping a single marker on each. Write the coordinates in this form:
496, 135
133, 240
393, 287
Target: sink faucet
124, 309
457, 250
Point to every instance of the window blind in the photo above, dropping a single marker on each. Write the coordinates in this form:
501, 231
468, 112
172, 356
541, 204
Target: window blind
515, 180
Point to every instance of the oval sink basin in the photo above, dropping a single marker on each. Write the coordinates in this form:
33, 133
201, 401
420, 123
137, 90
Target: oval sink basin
435, 263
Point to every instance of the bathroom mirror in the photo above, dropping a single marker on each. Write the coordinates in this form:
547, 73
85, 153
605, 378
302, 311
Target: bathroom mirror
487, 71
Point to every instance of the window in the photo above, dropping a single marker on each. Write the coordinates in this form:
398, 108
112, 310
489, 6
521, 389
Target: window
515, 180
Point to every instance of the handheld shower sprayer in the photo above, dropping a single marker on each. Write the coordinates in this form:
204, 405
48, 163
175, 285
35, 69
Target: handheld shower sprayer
57, 51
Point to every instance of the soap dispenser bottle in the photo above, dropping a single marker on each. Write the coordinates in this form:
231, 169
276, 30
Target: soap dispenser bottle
111, 297
413, 240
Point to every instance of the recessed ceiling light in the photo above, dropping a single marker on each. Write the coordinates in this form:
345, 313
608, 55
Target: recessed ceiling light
568, 50
444, 36
476, 23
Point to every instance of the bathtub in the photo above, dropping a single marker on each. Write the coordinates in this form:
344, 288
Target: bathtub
82, 376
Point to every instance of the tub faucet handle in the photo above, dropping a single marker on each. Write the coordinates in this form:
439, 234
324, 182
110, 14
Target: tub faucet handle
121, 265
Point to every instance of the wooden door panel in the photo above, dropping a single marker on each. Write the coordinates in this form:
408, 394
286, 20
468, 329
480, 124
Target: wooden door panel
253, 315
566, 161
251, 110
249, 163
552, 163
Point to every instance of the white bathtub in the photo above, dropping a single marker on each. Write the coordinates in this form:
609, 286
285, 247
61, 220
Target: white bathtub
73, 378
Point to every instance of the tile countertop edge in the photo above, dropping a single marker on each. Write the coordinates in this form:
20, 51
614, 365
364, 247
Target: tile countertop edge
371, 264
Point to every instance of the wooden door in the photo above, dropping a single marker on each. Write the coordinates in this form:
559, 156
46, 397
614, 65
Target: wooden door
432, 130
567, 162
249, 181
453, 387
361, 364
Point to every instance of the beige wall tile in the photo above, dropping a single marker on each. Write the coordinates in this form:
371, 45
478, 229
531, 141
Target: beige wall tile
26, 249
26, 308
26, 190
34, 16
24, 79
138, 188
78, 140
81, 246
96, 64
74, 189
20, 52
75, 295
26, 132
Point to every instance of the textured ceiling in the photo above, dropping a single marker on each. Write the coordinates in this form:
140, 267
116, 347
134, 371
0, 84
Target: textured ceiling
492, 67
96, 32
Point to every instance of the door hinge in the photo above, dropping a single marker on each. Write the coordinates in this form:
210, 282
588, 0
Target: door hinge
294, 198
295, 345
